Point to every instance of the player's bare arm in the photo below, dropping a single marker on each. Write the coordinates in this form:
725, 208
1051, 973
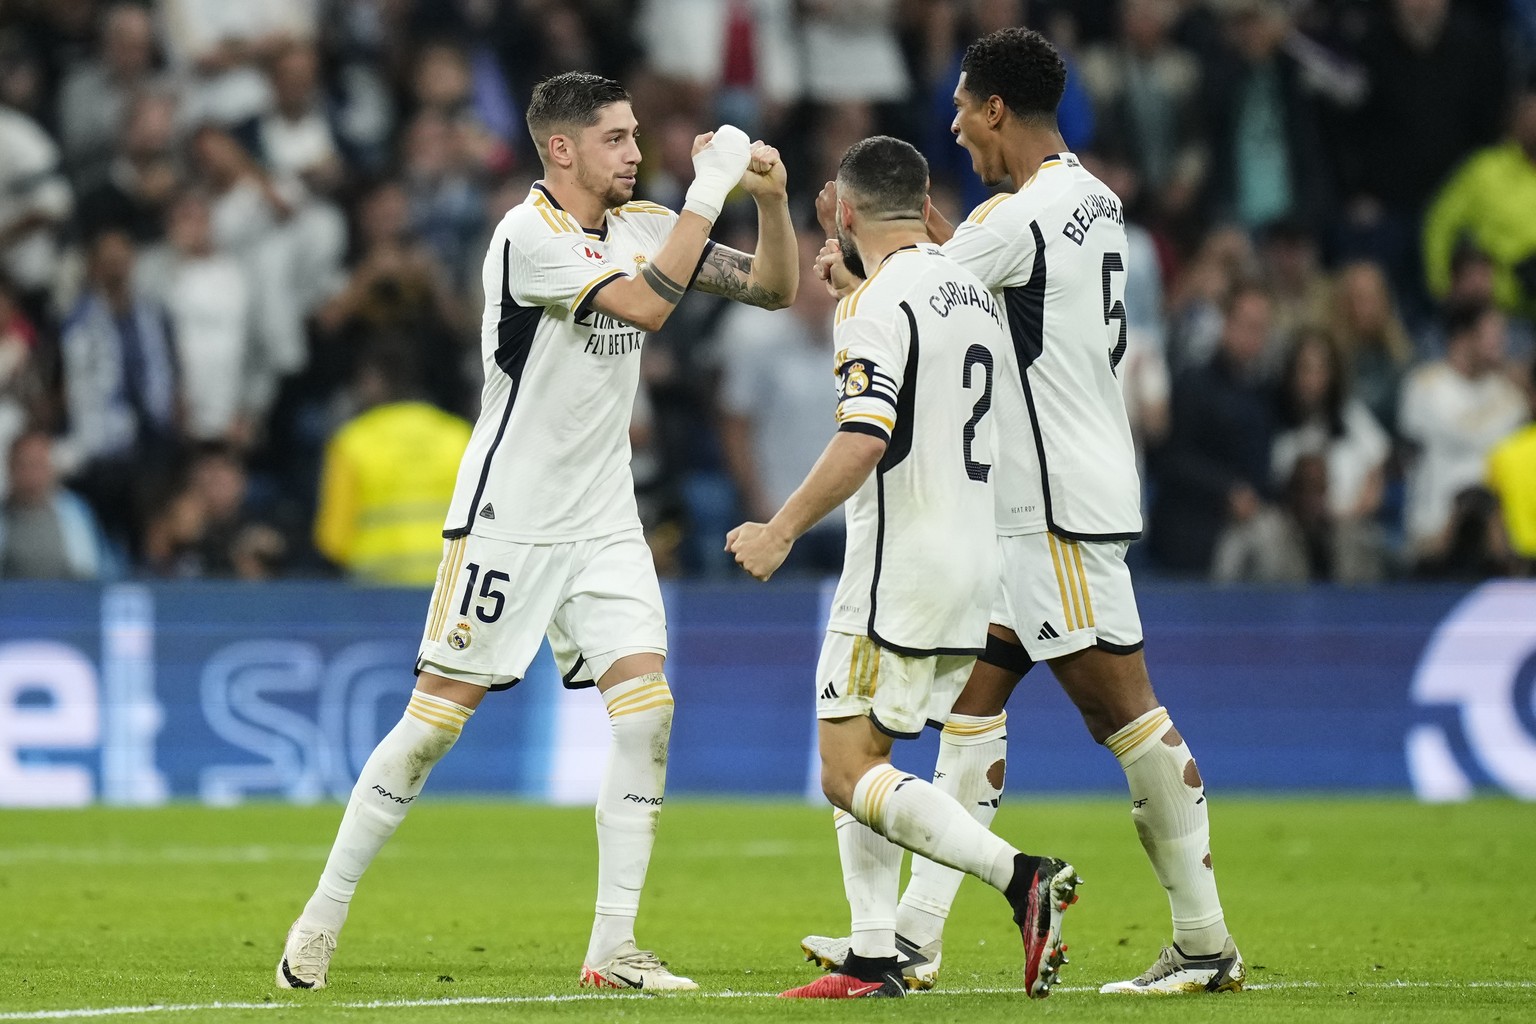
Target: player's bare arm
769, 277
648, 299
849, 458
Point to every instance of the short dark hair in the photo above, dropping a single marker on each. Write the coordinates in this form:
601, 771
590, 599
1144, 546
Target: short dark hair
1020, 67
567, 101
884, 176
1462, 318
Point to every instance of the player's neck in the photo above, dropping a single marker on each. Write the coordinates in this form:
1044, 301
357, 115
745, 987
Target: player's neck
877, 241
1027, 149
588, 209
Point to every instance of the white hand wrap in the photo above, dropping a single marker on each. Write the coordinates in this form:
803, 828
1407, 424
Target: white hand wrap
717, 169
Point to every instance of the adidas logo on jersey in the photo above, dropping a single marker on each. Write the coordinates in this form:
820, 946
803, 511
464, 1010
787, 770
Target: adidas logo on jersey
1046, 632
488, 512
830, 693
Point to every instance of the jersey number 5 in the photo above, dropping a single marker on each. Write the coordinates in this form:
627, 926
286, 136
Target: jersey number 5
1114, 305
977, 355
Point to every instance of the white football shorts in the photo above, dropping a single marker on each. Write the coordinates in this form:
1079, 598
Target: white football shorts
1062, 596
597, 600
856, 676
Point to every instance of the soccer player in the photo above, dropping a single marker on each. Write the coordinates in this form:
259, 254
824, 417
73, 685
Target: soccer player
542, 535
1053, 251
918, 345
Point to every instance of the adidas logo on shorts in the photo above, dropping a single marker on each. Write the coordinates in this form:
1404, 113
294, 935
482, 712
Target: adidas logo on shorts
830, 693
1047, 633
488, 512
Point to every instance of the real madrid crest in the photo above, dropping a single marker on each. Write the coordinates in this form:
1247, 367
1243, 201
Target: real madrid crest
857, 380
459, 636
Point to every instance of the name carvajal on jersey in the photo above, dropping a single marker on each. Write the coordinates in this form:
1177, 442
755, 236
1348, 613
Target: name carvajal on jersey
1094, 206
609, 337
953, 293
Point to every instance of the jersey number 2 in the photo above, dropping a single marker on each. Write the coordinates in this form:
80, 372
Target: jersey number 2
974, 356
1114, 307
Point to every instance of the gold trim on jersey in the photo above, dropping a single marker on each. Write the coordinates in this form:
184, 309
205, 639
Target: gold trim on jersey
849, 306
870, 417
641, 206
558, 220
981, 212
453, 560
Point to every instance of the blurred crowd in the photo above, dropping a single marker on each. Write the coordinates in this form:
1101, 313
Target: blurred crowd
240, 244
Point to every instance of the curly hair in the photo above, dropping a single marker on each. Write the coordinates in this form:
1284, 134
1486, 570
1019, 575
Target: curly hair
1020, 67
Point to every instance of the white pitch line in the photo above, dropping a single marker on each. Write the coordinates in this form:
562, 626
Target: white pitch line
575, 997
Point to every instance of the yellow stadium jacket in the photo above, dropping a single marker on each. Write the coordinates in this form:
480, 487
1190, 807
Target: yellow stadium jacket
384, 490
1512, 476
1490, 200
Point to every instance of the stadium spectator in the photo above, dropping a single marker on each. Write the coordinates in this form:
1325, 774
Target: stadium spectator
1198, 298
1454, 411
295, 138
237, 540
21, 398
1291, 266
1473, 546
96, 94
120, 387
775, 403
1146, 90
1266, 152
207, 299
1512, 479
1319, 417
46, 532
1490, 203
1376, 346
1426, 64
216, 49
1214, 468
735, 61
388, 476
447, 203
35, 201
144, 174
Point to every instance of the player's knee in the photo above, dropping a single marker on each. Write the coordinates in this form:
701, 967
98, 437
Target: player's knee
837, 784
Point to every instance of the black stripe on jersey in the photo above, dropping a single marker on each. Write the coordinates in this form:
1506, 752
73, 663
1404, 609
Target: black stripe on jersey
569, 679
514, 340
883, 395
901, 439
893, 733
860, 427
1026, 325
586, 303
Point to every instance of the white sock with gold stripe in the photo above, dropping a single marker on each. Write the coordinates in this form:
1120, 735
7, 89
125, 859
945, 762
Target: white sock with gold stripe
913, 814
973, 753
629, 806
871, 874
1169, 808
390, 780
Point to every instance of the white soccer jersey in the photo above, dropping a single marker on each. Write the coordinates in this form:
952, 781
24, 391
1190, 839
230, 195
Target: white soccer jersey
916, 363
1054, 252
549, 456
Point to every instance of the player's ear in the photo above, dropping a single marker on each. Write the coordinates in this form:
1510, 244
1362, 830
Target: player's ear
845, 214
562, 150
996, 111
927, 208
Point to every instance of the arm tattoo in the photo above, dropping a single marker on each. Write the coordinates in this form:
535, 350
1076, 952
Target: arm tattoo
727, 273
662, 285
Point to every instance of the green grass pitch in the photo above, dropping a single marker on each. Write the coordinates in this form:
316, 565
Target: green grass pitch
1346, 910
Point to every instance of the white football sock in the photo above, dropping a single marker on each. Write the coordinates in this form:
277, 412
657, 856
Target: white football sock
913, 814
390, 780
629, 806
972, 756
871, 874
1169, 808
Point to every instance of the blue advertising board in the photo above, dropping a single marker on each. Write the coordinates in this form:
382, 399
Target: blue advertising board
136, 694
